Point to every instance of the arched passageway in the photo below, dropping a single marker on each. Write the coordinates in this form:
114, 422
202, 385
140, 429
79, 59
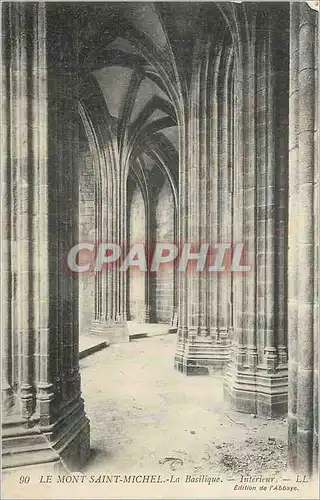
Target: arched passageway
152, 215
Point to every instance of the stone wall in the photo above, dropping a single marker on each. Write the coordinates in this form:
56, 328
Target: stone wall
162, 300
136, 234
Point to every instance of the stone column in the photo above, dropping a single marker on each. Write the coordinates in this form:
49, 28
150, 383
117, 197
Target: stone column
224, 228
316, 326
240, 97
111, 286
44, 416
293, 257
217, 318
146, 197
148, 254
8, 393
256, 380
200, 345
303, 233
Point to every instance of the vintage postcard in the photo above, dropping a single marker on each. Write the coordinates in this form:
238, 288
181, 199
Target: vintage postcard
160, 249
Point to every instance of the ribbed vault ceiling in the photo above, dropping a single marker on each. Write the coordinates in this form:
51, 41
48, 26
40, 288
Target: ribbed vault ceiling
138, 53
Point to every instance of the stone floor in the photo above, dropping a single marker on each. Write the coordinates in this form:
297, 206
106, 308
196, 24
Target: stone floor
142, 412
149, 329
88, 340
147, 419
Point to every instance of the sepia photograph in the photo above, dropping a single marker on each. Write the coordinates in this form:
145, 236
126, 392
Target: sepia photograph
160, 249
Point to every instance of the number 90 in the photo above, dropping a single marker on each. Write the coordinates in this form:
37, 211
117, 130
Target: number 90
24, 479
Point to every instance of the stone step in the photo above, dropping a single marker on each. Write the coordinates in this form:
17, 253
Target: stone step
92, 349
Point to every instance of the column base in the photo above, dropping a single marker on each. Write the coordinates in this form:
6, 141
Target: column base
174, 323
260, 393
62, 446
113, 332
201, 356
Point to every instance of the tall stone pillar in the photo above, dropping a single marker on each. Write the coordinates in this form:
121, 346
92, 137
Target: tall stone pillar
303, 272
144, 187
256, 379
112, 322
203, 340
224, 195
43, 415
111, 284
148, 246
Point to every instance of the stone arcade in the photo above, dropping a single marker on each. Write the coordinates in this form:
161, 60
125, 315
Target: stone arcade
198, 120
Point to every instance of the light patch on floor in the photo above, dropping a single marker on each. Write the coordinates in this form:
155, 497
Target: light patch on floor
147, 417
